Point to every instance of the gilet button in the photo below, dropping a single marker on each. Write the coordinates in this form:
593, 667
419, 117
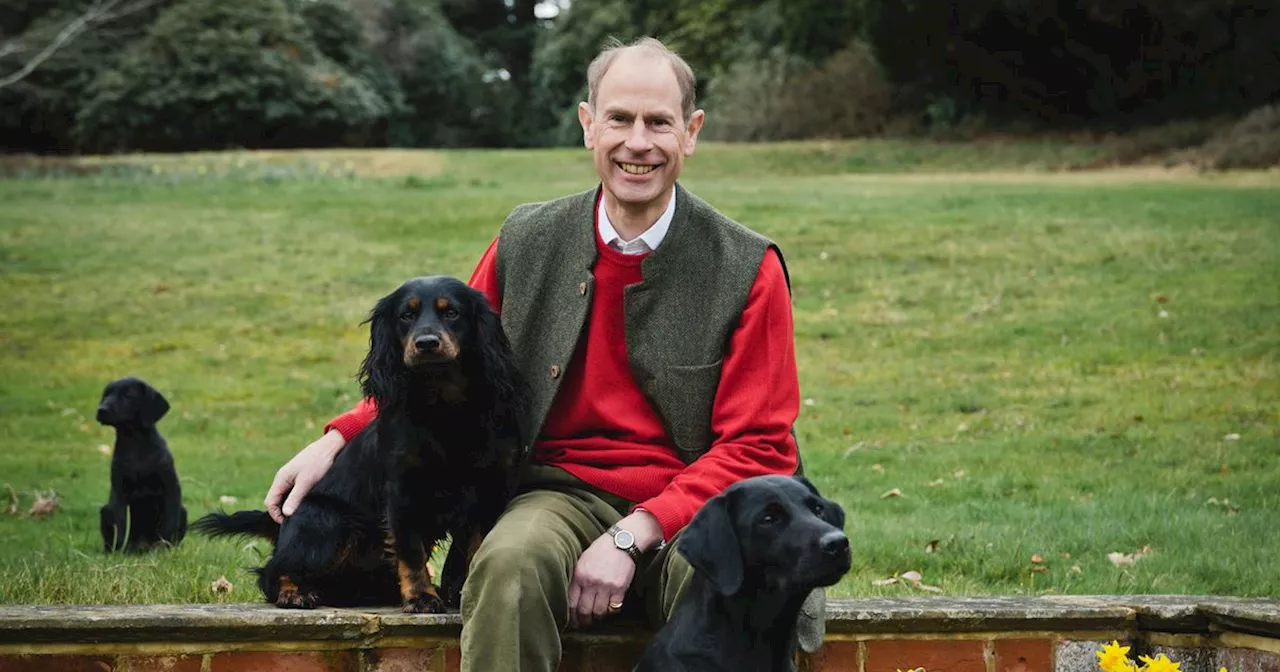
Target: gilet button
555, 371
582, 288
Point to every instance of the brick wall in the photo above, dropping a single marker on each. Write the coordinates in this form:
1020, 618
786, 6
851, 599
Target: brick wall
1058, 634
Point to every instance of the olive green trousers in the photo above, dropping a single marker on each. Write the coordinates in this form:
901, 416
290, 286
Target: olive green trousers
515, 603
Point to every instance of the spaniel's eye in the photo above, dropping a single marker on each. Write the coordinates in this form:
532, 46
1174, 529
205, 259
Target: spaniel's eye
451, 314
407, 316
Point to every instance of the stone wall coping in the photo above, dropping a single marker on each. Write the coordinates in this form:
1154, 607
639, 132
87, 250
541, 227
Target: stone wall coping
230, 623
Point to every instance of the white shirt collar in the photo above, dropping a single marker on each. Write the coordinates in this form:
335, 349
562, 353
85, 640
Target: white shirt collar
651, 238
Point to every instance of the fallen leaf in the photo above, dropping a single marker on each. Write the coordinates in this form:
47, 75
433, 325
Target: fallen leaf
932, 589
892, 493
1225, 470
932, 546
854, 448
962, 427
1231, 437
1039, 568
885, 582
878, 468
1066, 555
958, 474
44, 506
104, 449
160, 288
809, 402
936, 483
1075, 569
1036, 559
227, 500
222, 585
912, 575
1164, 314
1121, 559
1161, 298
12, 509
1143, 552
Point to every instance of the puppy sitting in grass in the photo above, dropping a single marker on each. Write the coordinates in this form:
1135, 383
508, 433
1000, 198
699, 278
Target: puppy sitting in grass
145, 506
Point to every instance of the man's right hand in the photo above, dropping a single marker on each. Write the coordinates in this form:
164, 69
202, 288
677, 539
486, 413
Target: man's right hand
299, 475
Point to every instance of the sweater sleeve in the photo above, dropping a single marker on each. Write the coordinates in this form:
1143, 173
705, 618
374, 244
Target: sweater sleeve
756, 405
483, 278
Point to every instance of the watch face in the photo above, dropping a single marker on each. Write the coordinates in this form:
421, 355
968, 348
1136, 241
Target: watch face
623, 539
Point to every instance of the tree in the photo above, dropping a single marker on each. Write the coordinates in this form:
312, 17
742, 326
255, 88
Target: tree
96, 15
212, 75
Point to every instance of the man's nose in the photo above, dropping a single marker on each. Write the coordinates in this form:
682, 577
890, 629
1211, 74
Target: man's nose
638, 139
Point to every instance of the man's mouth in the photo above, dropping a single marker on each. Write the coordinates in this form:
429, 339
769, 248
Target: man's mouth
636, 169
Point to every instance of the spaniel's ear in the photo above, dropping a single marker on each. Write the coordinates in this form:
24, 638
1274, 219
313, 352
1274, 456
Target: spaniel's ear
382, 373
496, 356
710, 544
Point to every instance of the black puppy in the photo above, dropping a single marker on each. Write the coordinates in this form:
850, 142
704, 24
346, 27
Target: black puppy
757, 549
440, 460
145, 505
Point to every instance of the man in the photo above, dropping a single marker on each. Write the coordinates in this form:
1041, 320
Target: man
657, 337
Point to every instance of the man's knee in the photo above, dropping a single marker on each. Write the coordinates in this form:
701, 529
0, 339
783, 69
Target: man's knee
517, 566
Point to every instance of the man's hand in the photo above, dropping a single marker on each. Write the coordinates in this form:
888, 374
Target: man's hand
301, 473
604, 572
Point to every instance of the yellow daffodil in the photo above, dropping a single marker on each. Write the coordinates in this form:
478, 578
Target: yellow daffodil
1114, 658
1160, 664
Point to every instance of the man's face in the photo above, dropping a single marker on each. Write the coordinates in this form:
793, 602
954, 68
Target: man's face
637, 131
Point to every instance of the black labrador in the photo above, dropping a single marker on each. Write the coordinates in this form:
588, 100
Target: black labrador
145, 506
757, 549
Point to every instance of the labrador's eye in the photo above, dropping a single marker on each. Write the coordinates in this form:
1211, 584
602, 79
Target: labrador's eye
816, 508
768, 519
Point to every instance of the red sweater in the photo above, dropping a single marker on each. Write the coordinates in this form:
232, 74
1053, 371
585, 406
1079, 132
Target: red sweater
601, 428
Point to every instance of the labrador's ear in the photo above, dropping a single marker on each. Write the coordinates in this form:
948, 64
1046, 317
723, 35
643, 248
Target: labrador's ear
710, 544
807, 483
152, 406
831, 512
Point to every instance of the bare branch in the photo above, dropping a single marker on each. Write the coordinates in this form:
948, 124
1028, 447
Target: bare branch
99, 13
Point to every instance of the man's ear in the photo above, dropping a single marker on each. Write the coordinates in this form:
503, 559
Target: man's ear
691, 129
152, 407
585, 118
710, 544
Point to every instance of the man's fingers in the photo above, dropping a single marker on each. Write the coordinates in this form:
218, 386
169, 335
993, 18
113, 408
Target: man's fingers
300, 489
275, 495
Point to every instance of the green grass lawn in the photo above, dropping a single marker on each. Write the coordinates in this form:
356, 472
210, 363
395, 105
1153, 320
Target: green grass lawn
1061, 365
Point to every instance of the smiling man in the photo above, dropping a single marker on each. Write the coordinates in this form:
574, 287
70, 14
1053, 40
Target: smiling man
657, 337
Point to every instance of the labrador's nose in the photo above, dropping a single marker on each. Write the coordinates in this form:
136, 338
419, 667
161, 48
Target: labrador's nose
834, 543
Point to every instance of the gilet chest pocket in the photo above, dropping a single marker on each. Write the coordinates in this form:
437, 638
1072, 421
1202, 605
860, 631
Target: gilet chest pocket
685, 397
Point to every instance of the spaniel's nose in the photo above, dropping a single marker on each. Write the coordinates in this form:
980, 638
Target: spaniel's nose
427, 343
834, 543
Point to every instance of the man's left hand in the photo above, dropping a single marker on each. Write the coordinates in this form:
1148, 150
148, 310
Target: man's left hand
604, 572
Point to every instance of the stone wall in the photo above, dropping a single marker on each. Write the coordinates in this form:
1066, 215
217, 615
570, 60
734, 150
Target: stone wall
1049, 634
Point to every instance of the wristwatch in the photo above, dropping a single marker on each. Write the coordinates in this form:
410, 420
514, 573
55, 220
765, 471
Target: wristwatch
625, 541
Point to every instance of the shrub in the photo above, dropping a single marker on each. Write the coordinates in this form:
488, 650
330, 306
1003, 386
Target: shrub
1253, 142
